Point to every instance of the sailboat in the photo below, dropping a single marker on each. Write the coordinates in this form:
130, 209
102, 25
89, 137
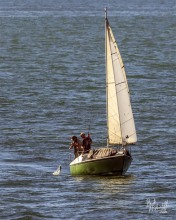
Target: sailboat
115, 158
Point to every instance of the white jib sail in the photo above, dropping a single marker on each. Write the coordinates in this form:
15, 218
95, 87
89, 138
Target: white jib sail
120, 121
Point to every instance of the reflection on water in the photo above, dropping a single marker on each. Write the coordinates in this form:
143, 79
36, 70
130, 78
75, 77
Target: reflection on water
107, 184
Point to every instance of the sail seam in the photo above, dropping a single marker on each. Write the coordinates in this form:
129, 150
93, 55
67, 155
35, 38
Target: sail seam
132, 135
110, 83
119, 83
126, 121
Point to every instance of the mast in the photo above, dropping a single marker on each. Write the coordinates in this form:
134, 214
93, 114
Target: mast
106, 76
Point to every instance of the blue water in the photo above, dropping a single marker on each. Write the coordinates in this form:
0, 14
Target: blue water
52, 86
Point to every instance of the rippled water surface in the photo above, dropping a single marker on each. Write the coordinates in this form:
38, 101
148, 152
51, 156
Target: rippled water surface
52, 85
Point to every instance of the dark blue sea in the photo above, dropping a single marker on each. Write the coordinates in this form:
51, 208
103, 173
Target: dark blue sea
52, 86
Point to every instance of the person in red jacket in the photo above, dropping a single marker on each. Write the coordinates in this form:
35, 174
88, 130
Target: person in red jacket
86, 142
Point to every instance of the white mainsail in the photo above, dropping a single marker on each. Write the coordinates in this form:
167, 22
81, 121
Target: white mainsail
120, 121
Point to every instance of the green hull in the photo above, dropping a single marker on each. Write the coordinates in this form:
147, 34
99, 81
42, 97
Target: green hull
113, 165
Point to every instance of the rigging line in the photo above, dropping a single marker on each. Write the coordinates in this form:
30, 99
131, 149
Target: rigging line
121, 90
127, 121
115, 134
132, 134
116, 58
115, 121
119, 83
110, 83
122, 67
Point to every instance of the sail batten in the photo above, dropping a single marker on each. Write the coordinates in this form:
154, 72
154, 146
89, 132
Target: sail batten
120, 120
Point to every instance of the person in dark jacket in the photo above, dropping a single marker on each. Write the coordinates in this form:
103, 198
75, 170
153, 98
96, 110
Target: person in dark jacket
86, 142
